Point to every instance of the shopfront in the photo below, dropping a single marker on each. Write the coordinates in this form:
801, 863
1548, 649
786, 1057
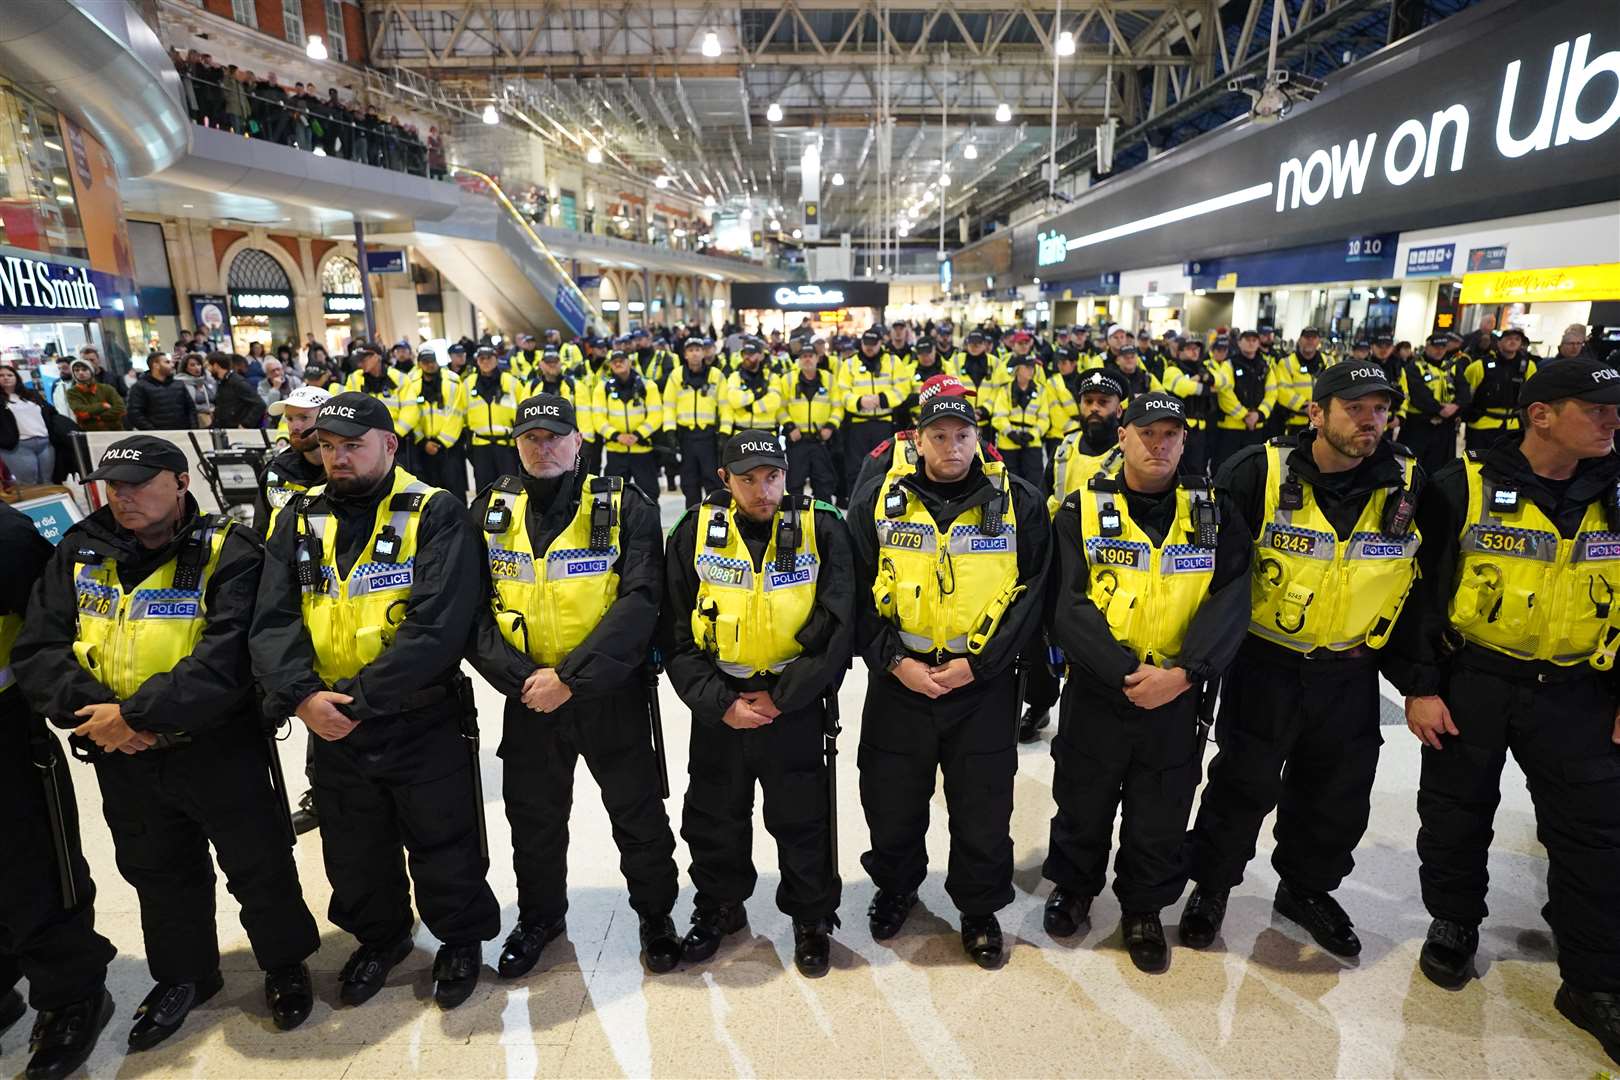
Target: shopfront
262, 305
48, 308
833, 307
1348, 289
343, 305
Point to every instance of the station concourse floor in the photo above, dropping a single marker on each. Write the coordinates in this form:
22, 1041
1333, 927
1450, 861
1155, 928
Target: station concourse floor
1264, 1002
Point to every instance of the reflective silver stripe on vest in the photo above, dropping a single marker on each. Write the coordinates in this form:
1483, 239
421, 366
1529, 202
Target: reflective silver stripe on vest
923, 643
7, 678
743, 671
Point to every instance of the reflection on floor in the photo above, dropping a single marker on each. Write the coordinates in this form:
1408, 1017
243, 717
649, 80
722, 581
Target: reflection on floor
1264, 1003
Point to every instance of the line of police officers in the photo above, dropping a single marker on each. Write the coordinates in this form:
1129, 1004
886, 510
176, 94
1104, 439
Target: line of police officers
170, 642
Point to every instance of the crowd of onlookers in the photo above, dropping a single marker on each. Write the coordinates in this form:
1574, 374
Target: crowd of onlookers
237, 100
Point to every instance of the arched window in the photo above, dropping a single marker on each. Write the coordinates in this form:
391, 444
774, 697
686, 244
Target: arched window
340, 275
257, 271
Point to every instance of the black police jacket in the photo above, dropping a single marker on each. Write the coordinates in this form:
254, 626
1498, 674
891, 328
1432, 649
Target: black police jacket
428, 645
291, 465
612, 656
210, 689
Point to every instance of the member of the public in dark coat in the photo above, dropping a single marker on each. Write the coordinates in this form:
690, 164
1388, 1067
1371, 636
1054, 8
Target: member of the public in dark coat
158, 401
575, 572
236, 403
47, 900
369, 593
137, 642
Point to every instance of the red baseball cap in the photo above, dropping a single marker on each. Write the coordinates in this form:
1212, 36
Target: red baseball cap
942, 386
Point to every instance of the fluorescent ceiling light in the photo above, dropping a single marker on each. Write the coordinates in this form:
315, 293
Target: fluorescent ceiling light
1170, 217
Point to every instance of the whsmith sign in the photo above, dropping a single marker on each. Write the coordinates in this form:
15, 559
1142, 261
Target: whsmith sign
1506, 108
30, 286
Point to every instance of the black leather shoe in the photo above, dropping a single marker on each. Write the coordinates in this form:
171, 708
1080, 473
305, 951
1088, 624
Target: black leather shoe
306, 818
1144, 939
166, 1008
524, 945
455, 973
1033, 723
812, 947
288, 993
12, 1008
1202, 917
981, 937
367, 969
1595, 1012
1321, 916
709, 928
1065, 912
660, 944
887, 913
64, 1038
1448, 953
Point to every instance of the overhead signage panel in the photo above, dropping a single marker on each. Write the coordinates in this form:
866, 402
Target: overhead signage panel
1532, 286
814, 296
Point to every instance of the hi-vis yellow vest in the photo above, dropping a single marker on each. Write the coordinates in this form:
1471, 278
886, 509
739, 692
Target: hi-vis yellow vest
748, 620
1072, 467
10, 627
1526, 592
1311, 590
945, 594
1148, 593
352, 620
125, 638
279, 491
546, 607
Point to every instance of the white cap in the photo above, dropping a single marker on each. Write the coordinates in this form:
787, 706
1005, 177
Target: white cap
1111, 328
305, 397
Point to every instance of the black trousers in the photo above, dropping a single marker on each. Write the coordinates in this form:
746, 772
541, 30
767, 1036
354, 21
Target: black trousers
1223, 443
641, 468
1109, 754
861, 437
1041, 687
540, 752
1482, 439
405, 793
700, 460
1559, 732
446, 469
490, 462
164, 808
1300, 736
56, 947
810, 459
971, 736
717, 821
1434, 445
1026, 462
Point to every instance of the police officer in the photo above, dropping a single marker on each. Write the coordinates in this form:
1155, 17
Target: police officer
138, 641
1153, 597
752, 400
872, 384
1430, 426
567, 648
1190, 379
362, 648
1296, 377
433, 416
1335, 555
811, 413
974, 365
492, 397
1101, 397
1246, 393
692, 396
1520, 637
757, 626
375, 378
1018, 413
627, 411
951, 556
47, 900
1493, 382
1128, 367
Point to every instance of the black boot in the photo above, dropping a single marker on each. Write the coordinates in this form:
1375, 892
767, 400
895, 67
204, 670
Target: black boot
1033, 723
1144, 938
709, 928
1595, 1012
981, 938
1448, 953
288, 993
812, 947
660, 944
455, 973
524, 945
888, 912
64, 1038
1321, 916
12, 1009
167, 1007
1065, 912
1202, 917
305, 818
367, 969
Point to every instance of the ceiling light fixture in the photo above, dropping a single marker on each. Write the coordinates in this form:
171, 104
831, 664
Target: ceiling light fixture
661, 182
490, 115
776, 225
316, 49
1003, 113
1065, 44
838, 179
711, 44
774, 113
971, 152
798, 234
708, 202
594, 155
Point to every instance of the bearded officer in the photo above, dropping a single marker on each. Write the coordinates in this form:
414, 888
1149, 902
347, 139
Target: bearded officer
575, 568
362, 648
1332, 510
47, 900
1153, 598
950, 556
1517, 654
757, 624
139, 635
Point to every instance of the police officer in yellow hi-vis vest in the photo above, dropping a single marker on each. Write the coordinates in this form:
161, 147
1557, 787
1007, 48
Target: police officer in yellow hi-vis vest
627, 410
492, 401
432, 415
137, 641
1332, 512
1152, 598
574, 575
811, 413
47, 899
369, 594
692, 408
1521, 626
756, 629
951, 557
372, 376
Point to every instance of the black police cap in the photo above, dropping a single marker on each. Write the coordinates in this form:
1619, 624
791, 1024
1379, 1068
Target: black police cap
550, 412
946, 406
137, 459
1352, 379
1145, 409
748, 450
353, 413
1577, 377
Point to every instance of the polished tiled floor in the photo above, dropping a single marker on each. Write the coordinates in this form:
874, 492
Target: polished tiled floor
1267, 1004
